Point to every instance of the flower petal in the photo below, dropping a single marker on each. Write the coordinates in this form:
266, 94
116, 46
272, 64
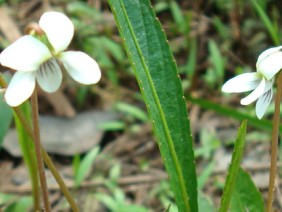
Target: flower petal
241, 83
263, 103
270, 62
20, 88
259, 91
81, 67
49, 76
25, 54
58, 28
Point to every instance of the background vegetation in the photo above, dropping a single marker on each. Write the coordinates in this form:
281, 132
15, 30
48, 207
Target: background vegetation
211, 41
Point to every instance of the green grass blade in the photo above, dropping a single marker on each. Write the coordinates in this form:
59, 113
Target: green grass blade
233, 168
253, 121
192, 59
178, 17
132, 110
156, 72
28, 151
205, 176
267, 22
216, 59
85, 166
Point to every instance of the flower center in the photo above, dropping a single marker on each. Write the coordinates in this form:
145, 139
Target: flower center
48, 67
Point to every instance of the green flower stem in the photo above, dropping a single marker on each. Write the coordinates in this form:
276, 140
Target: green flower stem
29, 159
60, 181
28, 155
274, 144
49, 163
38, 152
45, 155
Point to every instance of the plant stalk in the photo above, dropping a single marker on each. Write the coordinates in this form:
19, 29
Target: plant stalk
29, 157
38, 152
46, 157
274, 144
49, 163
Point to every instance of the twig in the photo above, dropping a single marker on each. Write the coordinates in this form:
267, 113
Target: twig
38, 152
133, 182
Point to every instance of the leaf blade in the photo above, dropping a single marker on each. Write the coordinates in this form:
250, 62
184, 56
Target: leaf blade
6, 116
246, 194
233, 168
254, 121
156, 73
85, 165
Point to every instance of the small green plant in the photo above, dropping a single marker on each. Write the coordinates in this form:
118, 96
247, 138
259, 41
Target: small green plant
215, 72
207, 52
13, 203
82, 167
116, 200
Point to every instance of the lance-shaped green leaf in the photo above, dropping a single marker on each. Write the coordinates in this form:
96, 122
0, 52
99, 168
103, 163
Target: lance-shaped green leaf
233, 168
246, 195
156, 72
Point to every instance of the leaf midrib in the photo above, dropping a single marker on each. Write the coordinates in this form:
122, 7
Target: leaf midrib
166, 129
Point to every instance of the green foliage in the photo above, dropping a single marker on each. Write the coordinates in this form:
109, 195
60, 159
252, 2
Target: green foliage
246, 196
94, 37
23, 204
28, 149
240, 116
190, 66
113, 126
101, 47
271, 28
6, 116
205, 175
162, 191
81, 96
83, 167
132, 118
205, 203
223, 30
106, 52
25, 141
178, 17
82, 9
116, 200
132, 110
13, 203
233, 170
205, 58
209, 143
215, 73
156, 73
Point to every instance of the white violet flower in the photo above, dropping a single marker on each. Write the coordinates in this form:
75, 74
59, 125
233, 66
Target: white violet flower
36, 61
269, 63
